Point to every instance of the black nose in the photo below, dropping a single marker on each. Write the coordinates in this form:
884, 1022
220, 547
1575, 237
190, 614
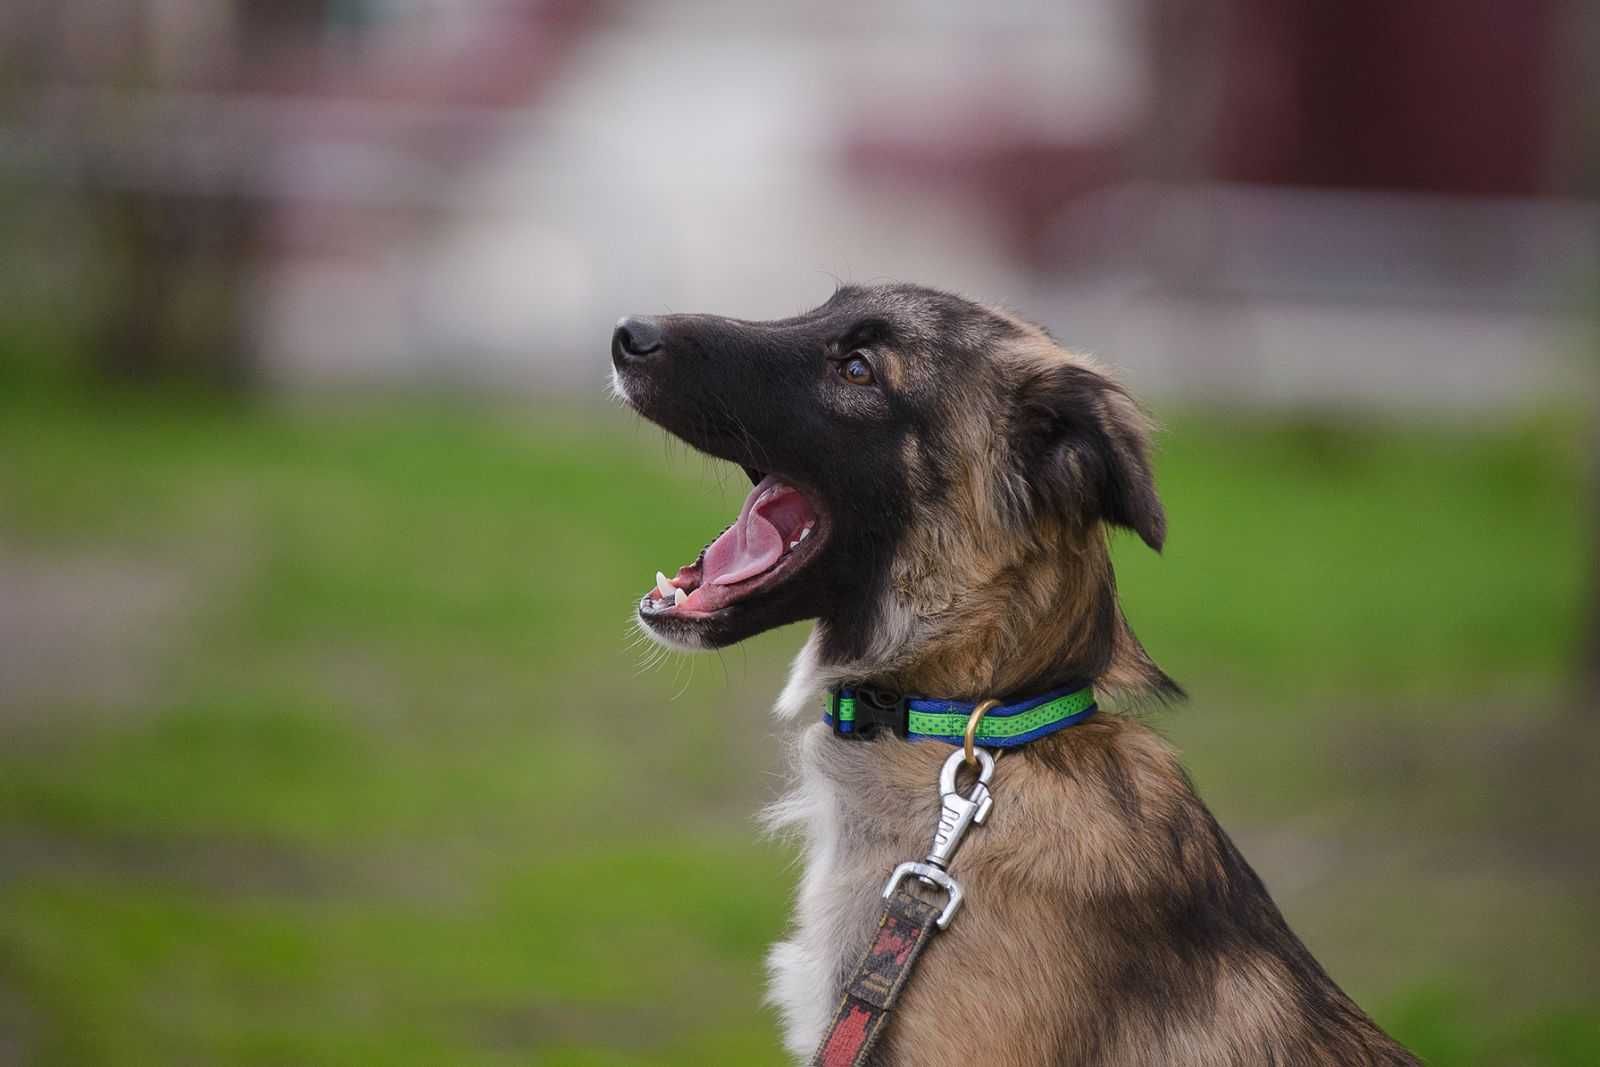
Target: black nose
636, 337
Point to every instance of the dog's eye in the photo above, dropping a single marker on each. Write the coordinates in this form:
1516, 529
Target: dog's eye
856, 370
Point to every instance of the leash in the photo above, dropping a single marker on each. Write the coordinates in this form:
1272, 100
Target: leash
904, 930
908, 923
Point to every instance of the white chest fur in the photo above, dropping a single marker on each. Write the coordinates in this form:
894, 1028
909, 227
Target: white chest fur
803, 971
853, 825
835, 908
849, 843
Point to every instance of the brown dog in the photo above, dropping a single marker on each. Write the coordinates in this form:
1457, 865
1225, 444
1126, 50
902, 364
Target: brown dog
934, 481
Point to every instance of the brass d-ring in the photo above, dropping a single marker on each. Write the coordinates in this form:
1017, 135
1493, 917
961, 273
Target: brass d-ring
972, 729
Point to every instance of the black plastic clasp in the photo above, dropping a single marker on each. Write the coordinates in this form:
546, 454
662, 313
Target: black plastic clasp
874, 710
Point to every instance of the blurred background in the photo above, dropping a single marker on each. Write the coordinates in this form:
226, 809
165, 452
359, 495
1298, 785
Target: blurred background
323, 738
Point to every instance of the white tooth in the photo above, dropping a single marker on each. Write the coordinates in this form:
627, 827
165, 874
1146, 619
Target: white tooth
804, 533
663, 586
678, 597
794, 544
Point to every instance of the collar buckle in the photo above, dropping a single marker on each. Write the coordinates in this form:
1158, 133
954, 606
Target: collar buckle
861, 711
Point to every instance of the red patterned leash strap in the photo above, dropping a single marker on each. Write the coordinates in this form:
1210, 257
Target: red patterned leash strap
907, 923
904, 930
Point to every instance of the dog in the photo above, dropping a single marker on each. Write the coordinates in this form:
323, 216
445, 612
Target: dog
935, 482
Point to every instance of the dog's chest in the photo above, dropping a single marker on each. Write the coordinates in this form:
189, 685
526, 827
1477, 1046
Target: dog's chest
848, 851
835, 910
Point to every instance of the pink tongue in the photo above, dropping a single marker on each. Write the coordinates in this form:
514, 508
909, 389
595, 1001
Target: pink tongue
746, 548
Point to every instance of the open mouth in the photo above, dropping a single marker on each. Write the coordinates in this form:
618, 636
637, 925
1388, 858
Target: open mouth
778, 529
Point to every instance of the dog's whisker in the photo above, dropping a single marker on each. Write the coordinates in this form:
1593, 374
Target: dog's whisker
686, 682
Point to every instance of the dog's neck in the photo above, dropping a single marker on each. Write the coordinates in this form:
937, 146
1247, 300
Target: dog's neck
1042, 620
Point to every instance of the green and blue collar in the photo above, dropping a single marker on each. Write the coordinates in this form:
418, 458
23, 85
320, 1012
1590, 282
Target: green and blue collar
861, 711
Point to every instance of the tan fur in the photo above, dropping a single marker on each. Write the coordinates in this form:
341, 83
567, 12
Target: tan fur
1108, 919
1093, 829
977, 590
1018, 978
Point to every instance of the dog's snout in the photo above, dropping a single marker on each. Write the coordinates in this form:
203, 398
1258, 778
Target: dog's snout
635, 337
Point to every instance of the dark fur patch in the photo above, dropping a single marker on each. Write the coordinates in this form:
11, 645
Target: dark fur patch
1082, 442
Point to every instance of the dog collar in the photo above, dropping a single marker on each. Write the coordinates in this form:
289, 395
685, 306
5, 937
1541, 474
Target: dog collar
861, 711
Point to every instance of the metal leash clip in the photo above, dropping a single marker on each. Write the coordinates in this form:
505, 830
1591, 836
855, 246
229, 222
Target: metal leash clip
957, 813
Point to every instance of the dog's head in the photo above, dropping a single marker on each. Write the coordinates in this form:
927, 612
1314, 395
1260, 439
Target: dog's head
929, 475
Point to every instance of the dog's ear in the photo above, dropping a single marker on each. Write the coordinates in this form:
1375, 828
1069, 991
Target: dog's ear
1084, 447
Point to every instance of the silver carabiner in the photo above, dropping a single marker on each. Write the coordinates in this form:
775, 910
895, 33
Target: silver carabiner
958, 813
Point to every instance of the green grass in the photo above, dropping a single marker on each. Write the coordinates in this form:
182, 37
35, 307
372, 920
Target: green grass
393, 789
1350, 557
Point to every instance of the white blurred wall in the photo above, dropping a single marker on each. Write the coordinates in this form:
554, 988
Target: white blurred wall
687, 161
